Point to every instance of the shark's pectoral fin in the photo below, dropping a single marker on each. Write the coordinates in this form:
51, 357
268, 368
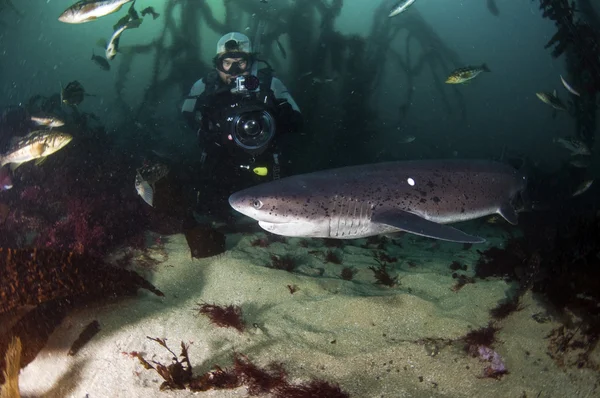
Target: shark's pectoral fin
414, 224
508, 213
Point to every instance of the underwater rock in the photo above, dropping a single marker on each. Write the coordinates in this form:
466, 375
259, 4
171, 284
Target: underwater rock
34, 276
39, 286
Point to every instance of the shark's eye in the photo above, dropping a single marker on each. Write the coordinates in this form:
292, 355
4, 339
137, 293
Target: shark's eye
257, 204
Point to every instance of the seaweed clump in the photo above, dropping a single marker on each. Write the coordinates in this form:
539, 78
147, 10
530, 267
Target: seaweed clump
271, 379
332, 257
228, 317
507, 262
461, 281
479, 344
484, 336
572, 346
178, 374
260, 242
286, 262
456, 266
382, 276
348, 273
381, 256
506, 307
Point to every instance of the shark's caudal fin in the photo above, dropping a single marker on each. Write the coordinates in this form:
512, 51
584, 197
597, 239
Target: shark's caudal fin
419, 226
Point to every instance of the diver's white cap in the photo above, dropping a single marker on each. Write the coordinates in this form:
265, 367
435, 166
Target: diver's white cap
242, 40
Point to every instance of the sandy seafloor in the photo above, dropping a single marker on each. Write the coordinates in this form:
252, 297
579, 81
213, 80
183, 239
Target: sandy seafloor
358, 334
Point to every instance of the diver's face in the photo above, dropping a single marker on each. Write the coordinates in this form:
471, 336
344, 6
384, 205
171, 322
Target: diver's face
227, 64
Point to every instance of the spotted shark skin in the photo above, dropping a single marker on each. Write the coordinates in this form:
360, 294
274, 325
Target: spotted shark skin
417, 196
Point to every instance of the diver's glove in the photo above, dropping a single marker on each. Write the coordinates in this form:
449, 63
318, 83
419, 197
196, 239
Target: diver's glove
288, 120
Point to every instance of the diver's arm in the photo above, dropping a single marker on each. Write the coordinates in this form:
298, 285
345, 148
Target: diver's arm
191, 106
281, 92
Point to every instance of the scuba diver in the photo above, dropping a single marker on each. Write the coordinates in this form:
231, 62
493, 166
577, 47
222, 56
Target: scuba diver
239, 113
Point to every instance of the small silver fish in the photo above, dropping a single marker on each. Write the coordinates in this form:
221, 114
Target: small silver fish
406, 139
552, 100
324, 80
580, 163
48, 121
584, 186
574, 145
400, 7
90, 10
146, 178
568, 87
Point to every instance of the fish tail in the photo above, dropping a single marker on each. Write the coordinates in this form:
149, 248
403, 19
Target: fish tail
485, 67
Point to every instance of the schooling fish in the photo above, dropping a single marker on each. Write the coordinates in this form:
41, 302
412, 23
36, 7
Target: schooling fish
406, 139
463, 75
584, 186
73, 93
113, 44
35, 145
100, 61
359, 201
568, 87
90, 10
552, 100
400, 7
47, 121
150, 10
577, 147
146, 177
132, 18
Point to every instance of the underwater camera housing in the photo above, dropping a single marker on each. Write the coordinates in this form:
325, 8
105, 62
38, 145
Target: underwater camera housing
250, 124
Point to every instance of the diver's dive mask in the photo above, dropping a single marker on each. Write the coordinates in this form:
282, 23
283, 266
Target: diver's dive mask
244, 62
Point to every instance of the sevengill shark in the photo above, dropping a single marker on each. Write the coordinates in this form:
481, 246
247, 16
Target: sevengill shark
417, 196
